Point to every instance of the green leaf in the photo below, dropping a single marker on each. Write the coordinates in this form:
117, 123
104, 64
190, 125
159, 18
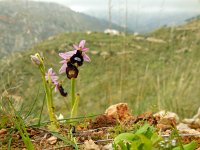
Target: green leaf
66, 141
9, 144
124, 136
191, 146
149, 132
123, 145
135, 145
146, 143
143, 129
146, 129
155, 138
3, 121
114, 146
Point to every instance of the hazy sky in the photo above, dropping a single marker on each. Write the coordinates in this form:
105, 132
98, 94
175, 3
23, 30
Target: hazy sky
143, 5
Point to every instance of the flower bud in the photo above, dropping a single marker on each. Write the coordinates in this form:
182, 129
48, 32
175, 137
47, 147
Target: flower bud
36, 59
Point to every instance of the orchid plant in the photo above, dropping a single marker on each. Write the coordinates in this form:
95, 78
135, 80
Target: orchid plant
70, 63
72, 60
50, 81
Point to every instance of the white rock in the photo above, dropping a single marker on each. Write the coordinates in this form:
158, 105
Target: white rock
107, 147
194, 121
167, 115
182, 126
90, 145
197, 115
111, 32
60, 117
119, 111
52, 140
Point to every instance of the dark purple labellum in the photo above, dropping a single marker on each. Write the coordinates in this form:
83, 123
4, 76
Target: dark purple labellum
62, 91
77, 58
71, 71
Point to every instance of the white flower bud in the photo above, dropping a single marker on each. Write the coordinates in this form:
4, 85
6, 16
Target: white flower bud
36, 59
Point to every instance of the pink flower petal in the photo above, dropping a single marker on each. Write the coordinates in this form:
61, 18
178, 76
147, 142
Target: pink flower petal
56, 82
63, 68
54, 78
63, 55
56, 87
50, 75
86, 57
50, 71
82, 44
71, 53
53, 74
67, 55
85, 49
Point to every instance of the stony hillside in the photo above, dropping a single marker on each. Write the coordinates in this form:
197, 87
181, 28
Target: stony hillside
153, 72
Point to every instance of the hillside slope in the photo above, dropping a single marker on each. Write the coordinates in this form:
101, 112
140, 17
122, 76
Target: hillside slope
160, 71
22, 24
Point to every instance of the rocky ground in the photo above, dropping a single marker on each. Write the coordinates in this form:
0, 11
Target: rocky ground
98, 133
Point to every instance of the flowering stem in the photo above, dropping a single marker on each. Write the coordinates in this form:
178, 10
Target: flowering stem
74, 99
75, 106
50, 106
73, 80
54, 123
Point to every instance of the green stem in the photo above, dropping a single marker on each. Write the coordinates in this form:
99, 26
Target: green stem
19, 123
75, 106
50, 106
23, 133
73, 81
54, 123
179, 138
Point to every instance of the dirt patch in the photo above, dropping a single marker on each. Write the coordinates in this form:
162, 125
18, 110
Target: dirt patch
102, 121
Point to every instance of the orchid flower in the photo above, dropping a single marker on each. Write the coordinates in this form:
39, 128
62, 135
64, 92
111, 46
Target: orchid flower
51, 76
81, 47
70, 62
68, 55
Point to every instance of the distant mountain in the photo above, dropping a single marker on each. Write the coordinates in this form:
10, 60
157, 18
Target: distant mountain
145, 22
193, 18
22, 24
